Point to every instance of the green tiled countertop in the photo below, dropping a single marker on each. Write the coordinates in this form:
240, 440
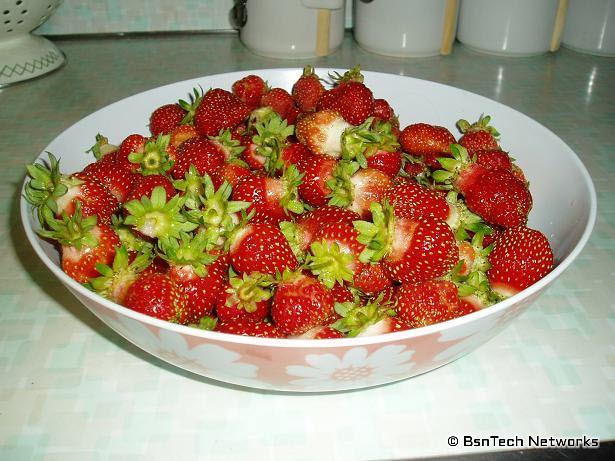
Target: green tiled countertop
70, 388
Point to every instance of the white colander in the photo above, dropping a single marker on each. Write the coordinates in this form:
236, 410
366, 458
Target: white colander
23, 55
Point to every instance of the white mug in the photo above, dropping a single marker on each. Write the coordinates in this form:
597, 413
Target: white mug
506, 27
288, 28
403, 28
591, 29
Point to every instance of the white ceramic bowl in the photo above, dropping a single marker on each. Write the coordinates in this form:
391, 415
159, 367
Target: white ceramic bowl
565, 210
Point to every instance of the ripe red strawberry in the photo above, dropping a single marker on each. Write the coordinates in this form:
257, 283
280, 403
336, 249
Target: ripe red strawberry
494, 159
357, 188
205, 155
478, 135
412, 249
383, 110
410, 199
301, 233
341, 294
321, 132
53, 192
307, 90
181, 134
427, 142
143, 186
198, 275
371, 279
272, 199
295, 153
246, 298
249, 328
105, 171
499, 198
156, 295
387, 162
352, 100
520, 257
429, 302
219, 110
231, 172
279, 100
249, 90
413, 166
166, 118
261, 248
317, 171
132, 143
300, 302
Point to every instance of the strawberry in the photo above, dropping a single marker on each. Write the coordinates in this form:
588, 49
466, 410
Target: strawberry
260, 248
200, 152
272, 199
249, 328
268, 143
321, 132
279, 100
478, 135
156, 295
350, 98
494, 159
114, 281
181, 134
357, 188
246, 298
166, 118
219, 110
300, 302
496, 195
412, 249
198, 275
317, 171
83, 243
410, 199
520, 257
51, 191
427, 142
144, 186
383, 110
134, 143
301, 233
157, 217
117, 180
294, 153
371, 279
307, 90
231, 172
428, 302
250, 90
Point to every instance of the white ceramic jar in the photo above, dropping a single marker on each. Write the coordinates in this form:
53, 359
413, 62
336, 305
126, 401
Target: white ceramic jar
402, 28
290, 28
517, 28
591, 29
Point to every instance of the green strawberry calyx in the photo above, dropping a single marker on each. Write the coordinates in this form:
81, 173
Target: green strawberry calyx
190, 106
216, 213
356, 318
361, 142
270, 139
342, 189
156, 217
329, 264
115, 280
291, 180
101, 147
74, 231
131, 241
482, 124
451, 167
193, 187
247, 291
155, 158
188, 250
377, 236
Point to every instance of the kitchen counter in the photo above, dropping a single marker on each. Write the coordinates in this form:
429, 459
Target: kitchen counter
71, 388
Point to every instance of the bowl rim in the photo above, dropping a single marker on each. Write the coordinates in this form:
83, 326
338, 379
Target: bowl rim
344, 343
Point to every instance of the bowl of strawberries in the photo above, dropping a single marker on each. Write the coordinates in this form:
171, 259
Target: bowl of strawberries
307, 231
